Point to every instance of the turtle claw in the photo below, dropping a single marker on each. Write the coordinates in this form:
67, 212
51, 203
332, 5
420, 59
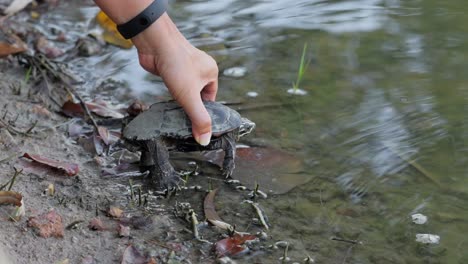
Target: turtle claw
171, 181
165, 179
228, 168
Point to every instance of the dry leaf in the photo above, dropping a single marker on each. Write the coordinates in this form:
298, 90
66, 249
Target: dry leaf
115, 212
16, 199
210, 213
104, 134
110, 34
233, 246
11, 44
47, 225
16, 6
73, 109
96, 224
71, 169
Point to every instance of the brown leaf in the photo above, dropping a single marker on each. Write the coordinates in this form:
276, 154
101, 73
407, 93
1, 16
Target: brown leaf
115, 212
73, 109
10, 197
233, 246
209, 207
133, 256
71, 169
104, 134
96, 224
10, 44
47, 225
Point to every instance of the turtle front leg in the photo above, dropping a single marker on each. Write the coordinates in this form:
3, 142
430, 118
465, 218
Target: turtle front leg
162, 172
229, 147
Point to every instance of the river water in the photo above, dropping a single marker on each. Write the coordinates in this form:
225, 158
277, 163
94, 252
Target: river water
381, 133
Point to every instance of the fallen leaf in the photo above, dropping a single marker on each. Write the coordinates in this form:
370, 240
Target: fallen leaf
110, 34
131, 255
272, 168
10, 197
210, 213
16, 6
10, 44
98, 146
233, 246
124, 231
48, 224
104, 134
71, 169
96, 224
73, 109
115, 212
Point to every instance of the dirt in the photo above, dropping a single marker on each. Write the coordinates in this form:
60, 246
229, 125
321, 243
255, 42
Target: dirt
73, 223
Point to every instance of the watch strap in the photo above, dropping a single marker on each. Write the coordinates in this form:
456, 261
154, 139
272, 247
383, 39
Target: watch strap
143, 20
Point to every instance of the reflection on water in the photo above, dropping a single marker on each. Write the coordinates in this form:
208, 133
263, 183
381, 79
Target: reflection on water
383, 129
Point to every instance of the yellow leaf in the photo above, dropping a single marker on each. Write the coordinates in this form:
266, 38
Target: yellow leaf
110, 34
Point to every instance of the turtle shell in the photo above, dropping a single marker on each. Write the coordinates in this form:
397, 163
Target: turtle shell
168, 119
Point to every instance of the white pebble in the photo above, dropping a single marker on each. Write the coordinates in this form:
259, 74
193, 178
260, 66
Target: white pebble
252, 94
297, 91
427, 238
235, 72
419, 219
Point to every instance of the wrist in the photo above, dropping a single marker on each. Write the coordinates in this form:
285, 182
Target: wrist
159, 37
122, 11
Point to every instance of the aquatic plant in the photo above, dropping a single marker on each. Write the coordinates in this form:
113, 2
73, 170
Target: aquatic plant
302, 69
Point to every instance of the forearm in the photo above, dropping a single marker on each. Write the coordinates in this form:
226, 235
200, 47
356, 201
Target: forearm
121, 11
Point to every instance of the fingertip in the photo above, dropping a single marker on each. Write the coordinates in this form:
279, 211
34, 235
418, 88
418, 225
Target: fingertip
201, 121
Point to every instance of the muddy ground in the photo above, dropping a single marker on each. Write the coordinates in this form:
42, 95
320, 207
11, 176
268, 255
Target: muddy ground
33, 123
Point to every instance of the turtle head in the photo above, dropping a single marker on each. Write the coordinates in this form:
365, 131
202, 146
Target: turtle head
246, 127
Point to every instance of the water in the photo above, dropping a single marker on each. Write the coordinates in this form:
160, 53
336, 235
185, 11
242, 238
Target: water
381, 133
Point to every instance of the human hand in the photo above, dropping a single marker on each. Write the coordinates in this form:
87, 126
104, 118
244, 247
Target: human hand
189, 73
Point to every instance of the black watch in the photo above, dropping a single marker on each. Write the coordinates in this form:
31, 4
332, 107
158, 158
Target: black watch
143, 20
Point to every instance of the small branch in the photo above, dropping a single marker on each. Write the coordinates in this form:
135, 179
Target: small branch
354, 242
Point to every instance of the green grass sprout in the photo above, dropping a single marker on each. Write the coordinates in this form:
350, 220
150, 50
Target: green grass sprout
302, 68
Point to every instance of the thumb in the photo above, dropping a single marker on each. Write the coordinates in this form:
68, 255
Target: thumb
201, 120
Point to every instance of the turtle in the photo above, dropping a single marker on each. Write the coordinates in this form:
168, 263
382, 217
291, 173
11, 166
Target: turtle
166, 127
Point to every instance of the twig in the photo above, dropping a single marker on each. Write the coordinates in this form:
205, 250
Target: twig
354, 242
17, 172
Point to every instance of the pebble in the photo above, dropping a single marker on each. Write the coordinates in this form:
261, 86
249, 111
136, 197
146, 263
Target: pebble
297, 91
252, 94
419, 219
427, 238
235, 72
